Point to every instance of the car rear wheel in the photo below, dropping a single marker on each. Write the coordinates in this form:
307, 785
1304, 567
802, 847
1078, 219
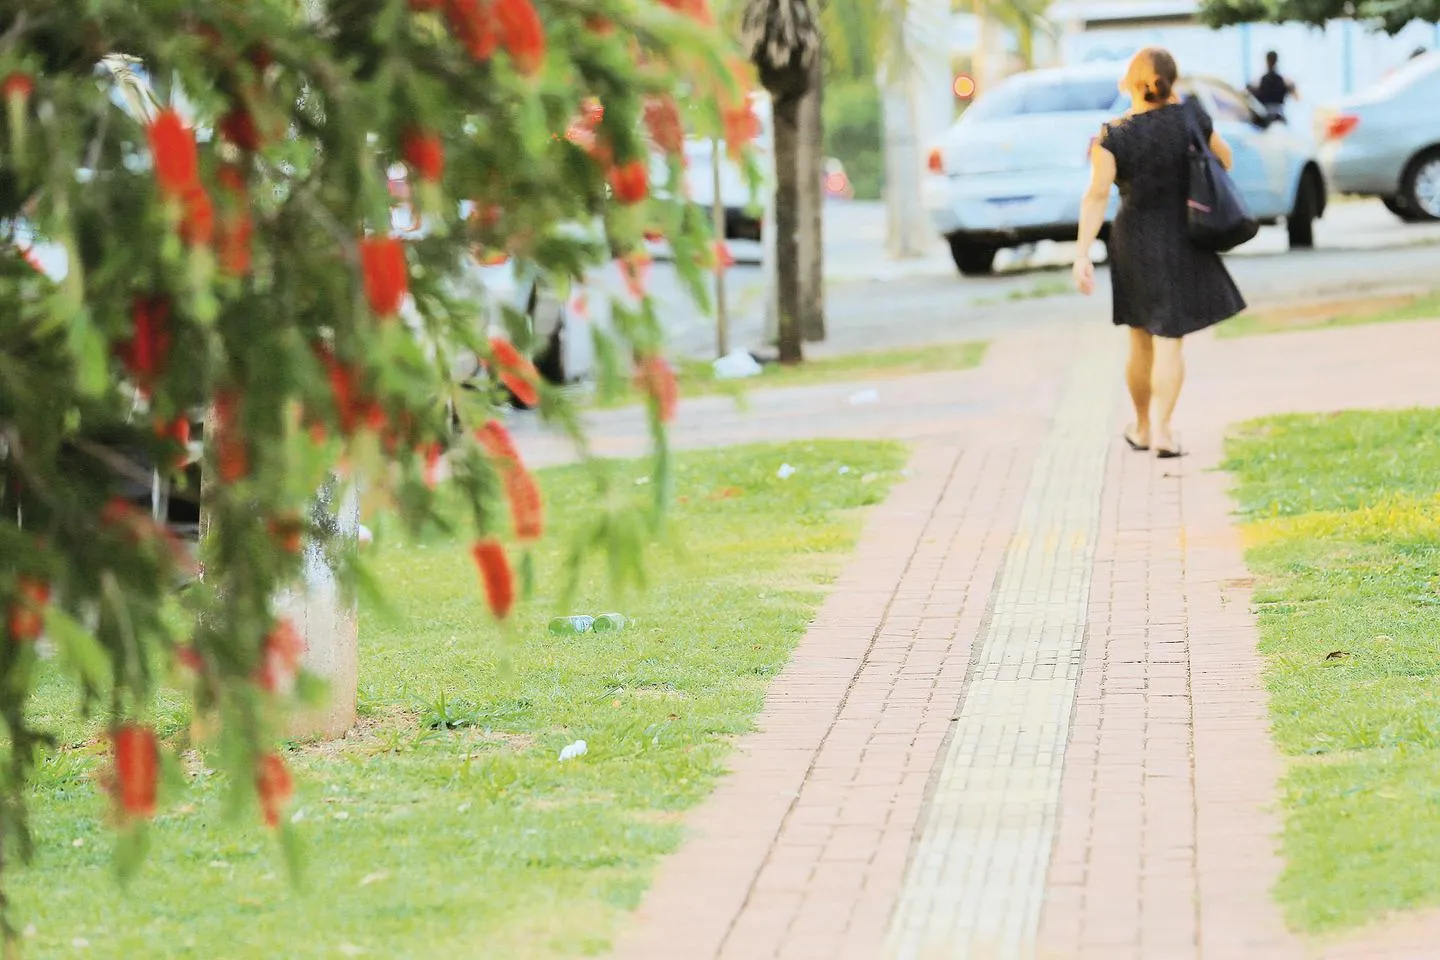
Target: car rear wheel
1421, 187
1300, 224
972, 260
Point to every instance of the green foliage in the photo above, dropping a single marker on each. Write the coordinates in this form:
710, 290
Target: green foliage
1389, 15
854, 134
250, 277
474, 841
1345, 536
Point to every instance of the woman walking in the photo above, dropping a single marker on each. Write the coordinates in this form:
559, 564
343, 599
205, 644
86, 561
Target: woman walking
1164, 287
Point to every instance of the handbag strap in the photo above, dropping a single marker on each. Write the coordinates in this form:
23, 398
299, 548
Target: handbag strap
1198, 140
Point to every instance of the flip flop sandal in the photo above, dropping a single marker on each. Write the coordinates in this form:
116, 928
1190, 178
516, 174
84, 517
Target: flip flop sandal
1134, 444
1162, 454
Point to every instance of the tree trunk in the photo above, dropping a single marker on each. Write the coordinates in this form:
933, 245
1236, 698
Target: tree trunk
717, 217
329, 623
812, 207
906, 233
787, 226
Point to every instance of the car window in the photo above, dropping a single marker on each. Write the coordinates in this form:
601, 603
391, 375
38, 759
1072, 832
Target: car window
1027, 95
1229, 106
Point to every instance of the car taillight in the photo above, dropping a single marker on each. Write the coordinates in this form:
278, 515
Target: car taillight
1340, 126
935, 163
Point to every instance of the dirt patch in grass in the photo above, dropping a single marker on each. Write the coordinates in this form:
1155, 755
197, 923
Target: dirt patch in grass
1333, 312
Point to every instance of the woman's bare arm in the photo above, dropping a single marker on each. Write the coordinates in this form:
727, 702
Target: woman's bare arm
1097, 197
1092, 214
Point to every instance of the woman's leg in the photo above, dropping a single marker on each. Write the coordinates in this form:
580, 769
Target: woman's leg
1137, 378
1166, 381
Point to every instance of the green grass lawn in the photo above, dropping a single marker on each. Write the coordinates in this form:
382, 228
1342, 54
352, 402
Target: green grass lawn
1344, 536
1339, 313
452, 830
697, 378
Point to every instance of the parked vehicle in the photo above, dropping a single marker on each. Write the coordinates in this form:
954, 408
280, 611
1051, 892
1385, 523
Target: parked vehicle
744, 208
1385, 141
1014, 166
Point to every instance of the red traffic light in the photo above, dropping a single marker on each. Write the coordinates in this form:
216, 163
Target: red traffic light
964, 86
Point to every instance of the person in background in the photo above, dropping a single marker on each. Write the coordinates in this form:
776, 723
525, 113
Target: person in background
1273, 89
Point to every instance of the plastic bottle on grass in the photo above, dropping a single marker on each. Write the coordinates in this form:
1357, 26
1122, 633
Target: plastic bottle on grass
609, 623
571, 626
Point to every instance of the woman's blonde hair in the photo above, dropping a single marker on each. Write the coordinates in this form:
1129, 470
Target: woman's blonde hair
1152, 74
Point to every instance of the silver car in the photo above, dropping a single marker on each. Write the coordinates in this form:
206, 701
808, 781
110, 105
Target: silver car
1013, 168
1385, 141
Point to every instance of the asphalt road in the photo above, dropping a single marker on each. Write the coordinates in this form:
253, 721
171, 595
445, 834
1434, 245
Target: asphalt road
874, 302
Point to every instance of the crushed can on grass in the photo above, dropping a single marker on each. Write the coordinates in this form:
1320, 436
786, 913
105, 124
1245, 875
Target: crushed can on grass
571, 626
609, 623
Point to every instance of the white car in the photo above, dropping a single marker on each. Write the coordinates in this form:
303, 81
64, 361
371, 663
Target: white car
744, 207
1014, 166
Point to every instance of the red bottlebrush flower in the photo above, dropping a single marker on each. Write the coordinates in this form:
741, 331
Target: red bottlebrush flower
741, 127
635, 268
630, 183
424, 153
526, 506
288, 531
696, 9
137, 771
434, 456
172, 145
232, 456
473, 23
119, 512
498, 443
723, 257
232, 178
27, 610
522, 34
197, 223
505, 353
496, 576
387, 275
178, 432
273, 787
592, 112
234, 244
189, 658
345, 389
238, 127
17, 86
280, 658
147, 352
516, 373
662, 119
523, 389
260, 57
656, 378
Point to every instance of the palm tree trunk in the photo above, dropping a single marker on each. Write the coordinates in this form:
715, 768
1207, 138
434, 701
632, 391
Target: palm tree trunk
787, 226
812, 208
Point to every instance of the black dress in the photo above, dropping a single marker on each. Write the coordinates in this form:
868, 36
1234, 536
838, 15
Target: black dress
1161, 282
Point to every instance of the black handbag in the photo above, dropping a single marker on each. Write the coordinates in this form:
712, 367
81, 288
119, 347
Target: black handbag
1216, 216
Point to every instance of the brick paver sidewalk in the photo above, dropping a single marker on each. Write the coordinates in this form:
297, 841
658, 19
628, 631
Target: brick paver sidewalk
1028, 721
